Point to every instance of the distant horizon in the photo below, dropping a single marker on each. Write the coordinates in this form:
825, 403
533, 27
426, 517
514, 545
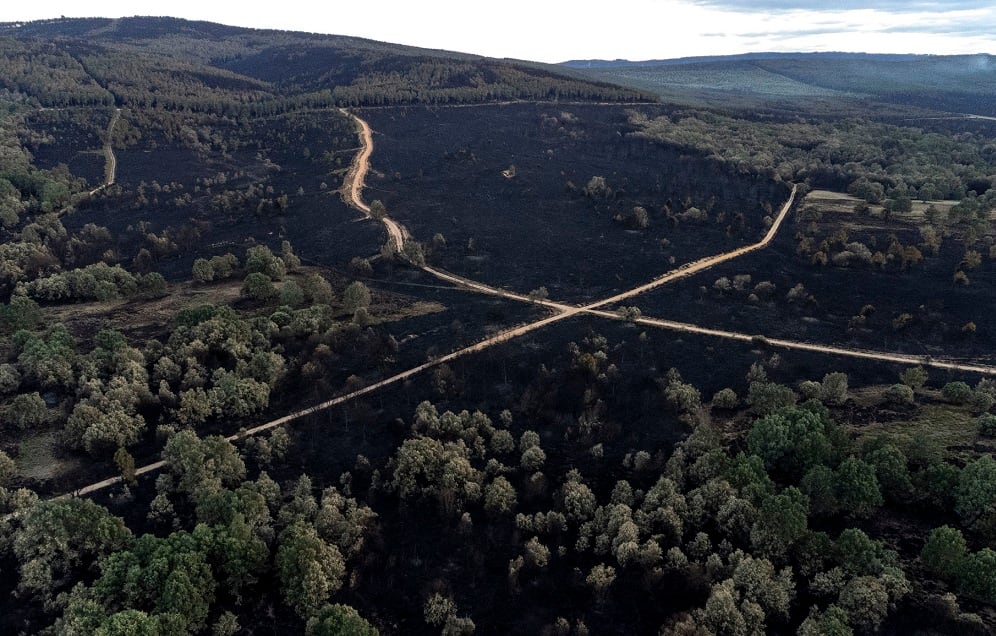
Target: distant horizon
561, 62
634, 30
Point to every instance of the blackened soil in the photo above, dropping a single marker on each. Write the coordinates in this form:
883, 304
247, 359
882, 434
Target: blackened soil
441, 171
938, 308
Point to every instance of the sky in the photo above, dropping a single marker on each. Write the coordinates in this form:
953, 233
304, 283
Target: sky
558, 30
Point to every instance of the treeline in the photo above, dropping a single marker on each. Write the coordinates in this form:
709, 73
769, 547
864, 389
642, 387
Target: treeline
49, 74
187, 73
884, 160
773, 529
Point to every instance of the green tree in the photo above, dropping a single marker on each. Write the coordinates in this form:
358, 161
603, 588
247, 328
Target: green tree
987, 425
167, 577
499, 497
857, 487
767, 397
261, 260
975, 495
944, 552
782, 520
356, 296
957, 392
59, 535
866, 601
832, 622
202, 271
126, 464
977, 575
258, 286
820, 485
898, 394
339, 620
8, 469
834, 388
890, 468
793, 440
291, 294
26, 411
317, 289
914, 377
310, 570
725, 399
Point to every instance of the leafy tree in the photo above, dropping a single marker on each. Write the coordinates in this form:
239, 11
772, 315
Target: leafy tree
975, 494
957, 392
944, 552
438, 609
103, 426
682, 396
339, 620
26, 411
202, 465
914, 377
58, 535
48, 360
866, 601
223, 267
579, 501
782, 520
890, 468
356, 296
987, 425
977, 575
10, 378
317, 289
767, 397
126, 464
861, 555
857, 487
898, 394
260, 260
237, 555
20, 313
834, 388
820, 485
309, 569
832, 622
725, 399
258, 286
793, 440
499, 497
424, 467
8, 469
202, 271
600, 578
167, 577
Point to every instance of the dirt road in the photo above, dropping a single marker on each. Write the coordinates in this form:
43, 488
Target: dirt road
110, 161
351, 191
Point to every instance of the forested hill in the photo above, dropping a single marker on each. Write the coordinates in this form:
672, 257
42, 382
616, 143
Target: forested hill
206, 67
958, 83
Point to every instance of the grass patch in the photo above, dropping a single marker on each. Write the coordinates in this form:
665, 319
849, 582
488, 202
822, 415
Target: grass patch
37, 457
953, 428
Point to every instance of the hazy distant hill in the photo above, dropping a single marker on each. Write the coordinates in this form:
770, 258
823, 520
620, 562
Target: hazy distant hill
963, 83
201, 66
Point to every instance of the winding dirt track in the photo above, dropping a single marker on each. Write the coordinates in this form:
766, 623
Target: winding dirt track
397, 235
110, 161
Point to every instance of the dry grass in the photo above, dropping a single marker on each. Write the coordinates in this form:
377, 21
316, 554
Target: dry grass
144, 317
37, 458
841, 203
953, 428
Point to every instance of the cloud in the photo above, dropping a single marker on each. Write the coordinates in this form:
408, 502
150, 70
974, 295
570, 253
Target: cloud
885, 6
